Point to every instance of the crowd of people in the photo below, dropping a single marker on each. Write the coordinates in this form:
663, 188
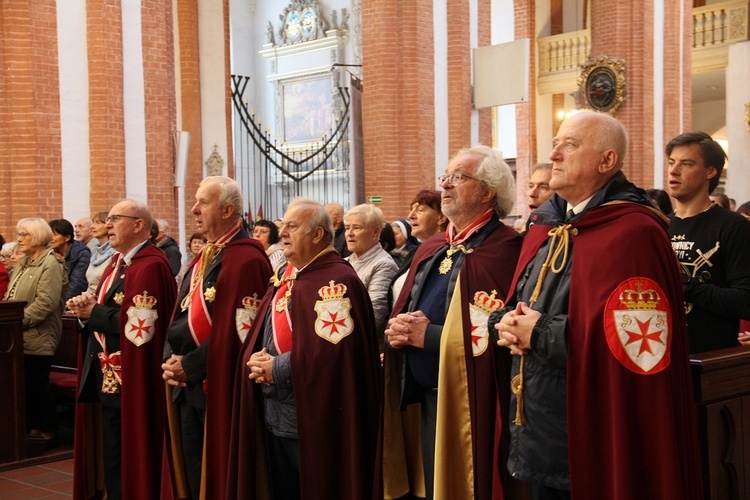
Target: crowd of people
332, 354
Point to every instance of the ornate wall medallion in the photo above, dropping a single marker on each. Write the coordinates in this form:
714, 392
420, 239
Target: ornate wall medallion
601, 84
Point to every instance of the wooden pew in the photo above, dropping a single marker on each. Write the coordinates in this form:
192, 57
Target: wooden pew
12, 422
721, 385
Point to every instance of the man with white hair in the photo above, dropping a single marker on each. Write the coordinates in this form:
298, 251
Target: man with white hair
83, 233
215, 308
438, 329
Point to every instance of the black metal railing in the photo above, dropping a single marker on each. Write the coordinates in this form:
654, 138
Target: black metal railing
271, 173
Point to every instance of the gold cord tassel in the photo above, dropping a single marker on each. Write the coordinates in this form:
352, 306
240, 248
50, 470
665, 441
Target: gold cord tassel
558, 247
210, 250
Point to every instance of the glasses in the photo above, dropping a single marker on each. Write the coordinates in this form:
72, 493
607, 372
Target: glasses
22, 235
454, 179
115, 218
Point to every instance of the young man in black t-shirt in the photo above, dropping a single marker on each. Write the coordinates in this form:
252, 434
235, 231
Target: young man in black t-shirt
711, 243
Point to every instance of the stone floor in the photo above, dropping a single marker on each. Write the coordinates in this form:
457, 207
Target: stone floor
49, 481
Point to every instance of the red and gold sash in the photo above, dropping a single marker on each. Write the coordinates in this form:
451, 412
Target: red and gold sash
111, 364
199, 317
281, 322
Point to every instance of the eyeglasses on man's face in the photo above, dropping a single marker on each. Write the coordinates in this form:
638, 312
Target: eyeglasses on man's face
114, 218
454, 179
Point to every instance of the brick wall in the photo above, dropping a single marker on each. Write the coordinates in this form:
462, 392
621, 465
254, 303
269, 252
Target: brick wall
29, 121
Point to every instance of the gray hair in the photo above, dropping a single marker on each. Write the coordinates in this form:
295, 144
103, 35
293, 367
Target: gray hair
41, 233
371, 214
163, 224
494, 173
318, 218
8, 248
229, 192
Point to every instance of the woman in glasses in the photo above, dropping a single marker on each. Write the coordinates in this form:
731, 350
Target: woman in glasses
40, 280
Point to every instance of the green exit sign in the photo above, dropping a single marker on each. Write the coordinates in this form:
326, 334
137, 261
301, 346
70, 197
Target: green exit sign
375, 199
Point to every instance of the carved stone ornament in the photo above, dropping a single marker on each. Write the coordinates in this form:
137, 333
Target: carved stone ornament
215, 163
301, 21
601, 84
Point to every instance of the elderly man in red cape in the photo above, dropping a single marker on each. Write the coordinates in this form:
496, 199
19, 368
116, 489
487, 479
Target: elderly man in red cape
438, 331
217, 304
124, 335
602, 404
308, 385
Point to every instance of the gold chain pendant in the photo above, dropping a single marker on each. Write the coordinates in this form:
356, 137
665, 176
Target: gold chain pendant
447, 262
282, 302
109, 382
445, 265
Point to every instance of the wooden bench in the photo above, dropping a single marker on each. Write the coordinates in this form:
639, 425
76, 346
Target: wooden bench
63, 373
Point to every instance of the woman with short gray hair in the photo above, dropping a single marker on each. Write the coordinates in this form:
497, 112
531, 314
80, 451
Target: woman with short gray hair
374, 266
40, 280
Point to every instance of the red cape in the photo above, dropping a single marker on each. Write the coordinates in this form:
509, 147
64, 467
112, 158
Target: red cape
245, 271
337, 392
485, 377
630, 434
142, 393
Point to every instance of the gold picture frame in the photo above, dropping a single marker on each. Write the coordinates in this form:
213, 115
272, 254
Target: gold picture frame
601, 84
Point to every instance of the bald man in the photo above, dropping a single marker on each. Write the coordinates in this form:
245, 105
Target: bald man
595, 320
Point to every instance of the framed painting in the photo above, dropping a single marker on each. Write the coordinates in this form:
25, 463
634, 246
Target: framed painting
306, 109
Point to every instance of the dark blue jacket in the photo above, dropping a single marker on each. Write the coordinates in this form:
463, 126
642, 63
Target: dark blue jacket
77, 261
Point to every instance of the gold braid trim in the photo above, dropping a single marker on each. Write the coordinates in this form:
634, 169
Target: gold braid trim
557, 258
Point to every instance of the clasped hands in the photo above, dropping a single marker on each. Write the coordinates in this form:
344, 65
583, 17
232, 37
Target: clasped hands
173, 371
407, 329
81, 305
261, 367
515, 328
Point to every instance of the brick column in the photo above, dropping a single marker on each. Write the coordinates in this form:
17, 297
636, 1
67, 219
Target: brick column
398, 106
31, 169
525, 27
625, 30
484, 32
106, 115
190, 99
159, 86
459, 76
